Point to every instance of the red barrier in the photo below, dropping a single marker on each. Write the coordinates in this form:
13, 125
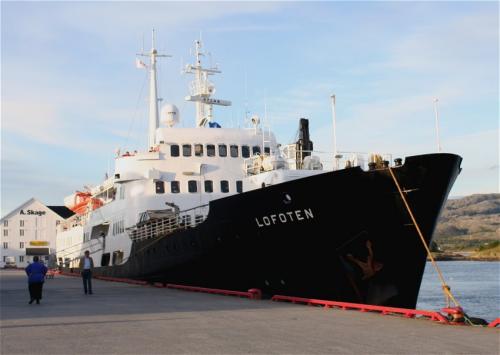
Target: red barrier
494, 323
249, 294
409, 313
158, 284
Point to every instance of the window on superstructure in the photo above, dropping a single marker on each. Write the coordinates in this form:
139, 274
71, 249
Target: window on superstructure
5, 232
192, 186
21, 223
5, 245
21, 232
234, 151
6, 223
21, 245
174, 187
198, 150
224, 186
255, 150
209, 186
160, 187
186, 150
222, 150
267, 150
245, 151
210, 150
239, 186
174, 150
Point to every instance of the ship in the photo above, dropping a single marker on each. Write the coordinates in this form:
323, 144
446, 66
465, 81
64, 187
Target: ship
231, 208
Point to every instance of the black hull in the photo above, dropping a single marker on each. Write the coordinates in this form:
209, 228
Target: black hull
319, 252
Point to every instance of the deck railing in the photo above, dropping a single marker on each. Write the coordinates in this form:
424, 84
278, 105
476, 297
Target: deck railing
163, 226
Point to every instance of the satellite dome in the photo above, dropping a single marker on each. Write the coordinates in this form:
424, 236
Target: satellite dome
169, 115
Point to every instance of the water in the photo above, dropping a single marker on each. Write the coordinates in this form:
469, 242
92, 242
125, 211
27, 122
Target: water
475, 285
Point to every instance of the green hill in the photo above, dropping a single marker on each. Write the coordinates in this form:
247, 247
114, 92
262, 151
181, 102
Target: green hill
470, 223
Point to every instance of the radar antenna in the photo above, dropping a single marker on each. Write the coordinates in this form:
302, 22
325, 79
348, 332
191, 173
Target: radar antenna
202, 89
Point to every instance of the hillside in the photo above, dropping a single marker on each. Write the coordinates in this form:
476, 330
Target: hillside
469, 223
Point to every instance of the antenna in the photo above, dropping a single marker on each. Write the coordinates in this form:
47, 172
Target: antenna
334, 120
436, 112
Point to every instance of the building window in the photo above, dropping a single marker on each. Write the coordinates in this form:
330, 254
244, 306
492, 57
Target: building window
255, 150
224, 186
239, 186
245, 151
222, 150
21, 223
198, 150
5, 245
186, 150
174, 187
209, 186
267, 150
5, 232
4, 259
234, 151
192, 186
174, 150
6, 223
122, 192
160, 187
210, 150
21, 232
21, 245
21, 258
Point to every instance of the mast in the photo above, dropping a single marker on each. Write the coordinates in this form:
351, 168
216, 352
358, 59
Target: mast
202, 89
153, 90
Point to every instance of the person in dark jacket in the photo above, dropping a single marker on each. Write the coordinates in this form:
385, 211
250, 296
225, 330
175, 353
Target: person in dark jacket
36, 276
86, 267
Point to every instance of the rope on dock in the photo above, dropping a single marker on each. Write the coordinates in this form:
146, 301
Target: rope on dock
446, 289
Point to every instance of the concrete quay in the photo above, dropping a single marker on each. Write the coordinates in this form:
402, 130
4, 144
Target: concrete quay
129, 319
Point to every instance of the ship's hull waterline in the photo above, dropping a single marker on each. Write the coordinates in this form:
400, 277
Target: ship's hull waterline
310, 237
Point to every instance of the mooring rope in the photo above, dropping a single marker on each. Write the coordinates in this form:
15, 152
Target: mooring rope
446, 289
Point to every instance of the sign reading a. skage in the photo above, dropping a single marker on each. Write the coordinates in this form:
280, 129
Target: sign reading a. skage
32, 212
39, 243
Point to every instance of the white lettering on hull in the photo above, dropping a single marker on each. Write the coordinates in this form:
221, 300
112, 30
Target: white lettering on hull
285, 217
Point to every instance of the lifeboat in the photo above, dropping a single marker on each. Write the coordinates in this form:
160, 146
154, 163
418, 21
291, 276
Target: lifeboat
84, 202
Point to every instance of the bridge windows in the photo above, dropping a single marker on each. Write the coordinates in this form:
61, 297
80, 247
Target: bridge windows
209, 186
239, 186
186, 150
255, 150
198, 150
222, 150
210, 150
234, 150
224, 186
174, 150
174, 187
245, 151
192, 186
160, 187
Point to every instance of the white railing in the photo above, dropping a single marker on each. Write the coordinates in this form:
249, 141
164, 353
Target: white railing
163, 226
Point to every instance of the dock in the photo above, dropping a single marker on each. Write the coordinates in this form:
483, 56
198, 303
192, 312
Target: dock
121, 318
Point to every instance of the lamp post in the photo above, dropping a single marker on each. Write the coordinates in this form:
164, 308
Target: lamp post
436, 112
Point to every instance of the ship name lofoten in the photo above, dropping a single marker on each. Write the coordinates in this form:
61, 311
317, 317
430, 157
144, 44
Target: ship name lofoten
284, 217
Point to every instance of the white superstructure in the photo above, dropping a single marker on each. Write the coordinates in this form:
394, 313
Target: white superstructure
182, 170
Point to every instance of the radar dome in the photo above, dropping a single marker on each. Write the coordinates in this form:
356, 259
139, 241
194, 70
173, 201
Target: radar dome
169, 115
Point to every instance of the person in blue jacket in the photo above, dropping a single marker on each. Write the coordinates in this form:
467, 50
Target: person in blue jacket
36, 276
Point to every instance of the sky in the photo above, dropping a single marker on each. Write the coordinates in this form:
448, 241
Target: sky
71, 94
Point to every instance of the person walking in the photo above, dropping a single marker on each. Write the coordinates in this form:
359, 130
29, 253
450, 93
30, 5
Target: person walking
86, 266
36, 276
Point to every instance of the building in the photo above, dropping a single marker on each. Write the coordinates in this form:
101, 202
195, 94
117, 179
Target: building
30, 230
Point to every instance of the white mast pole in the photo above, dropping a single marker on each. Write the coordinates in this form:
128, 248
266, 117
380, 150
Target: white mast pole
153, 95
334, 119
436, 112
